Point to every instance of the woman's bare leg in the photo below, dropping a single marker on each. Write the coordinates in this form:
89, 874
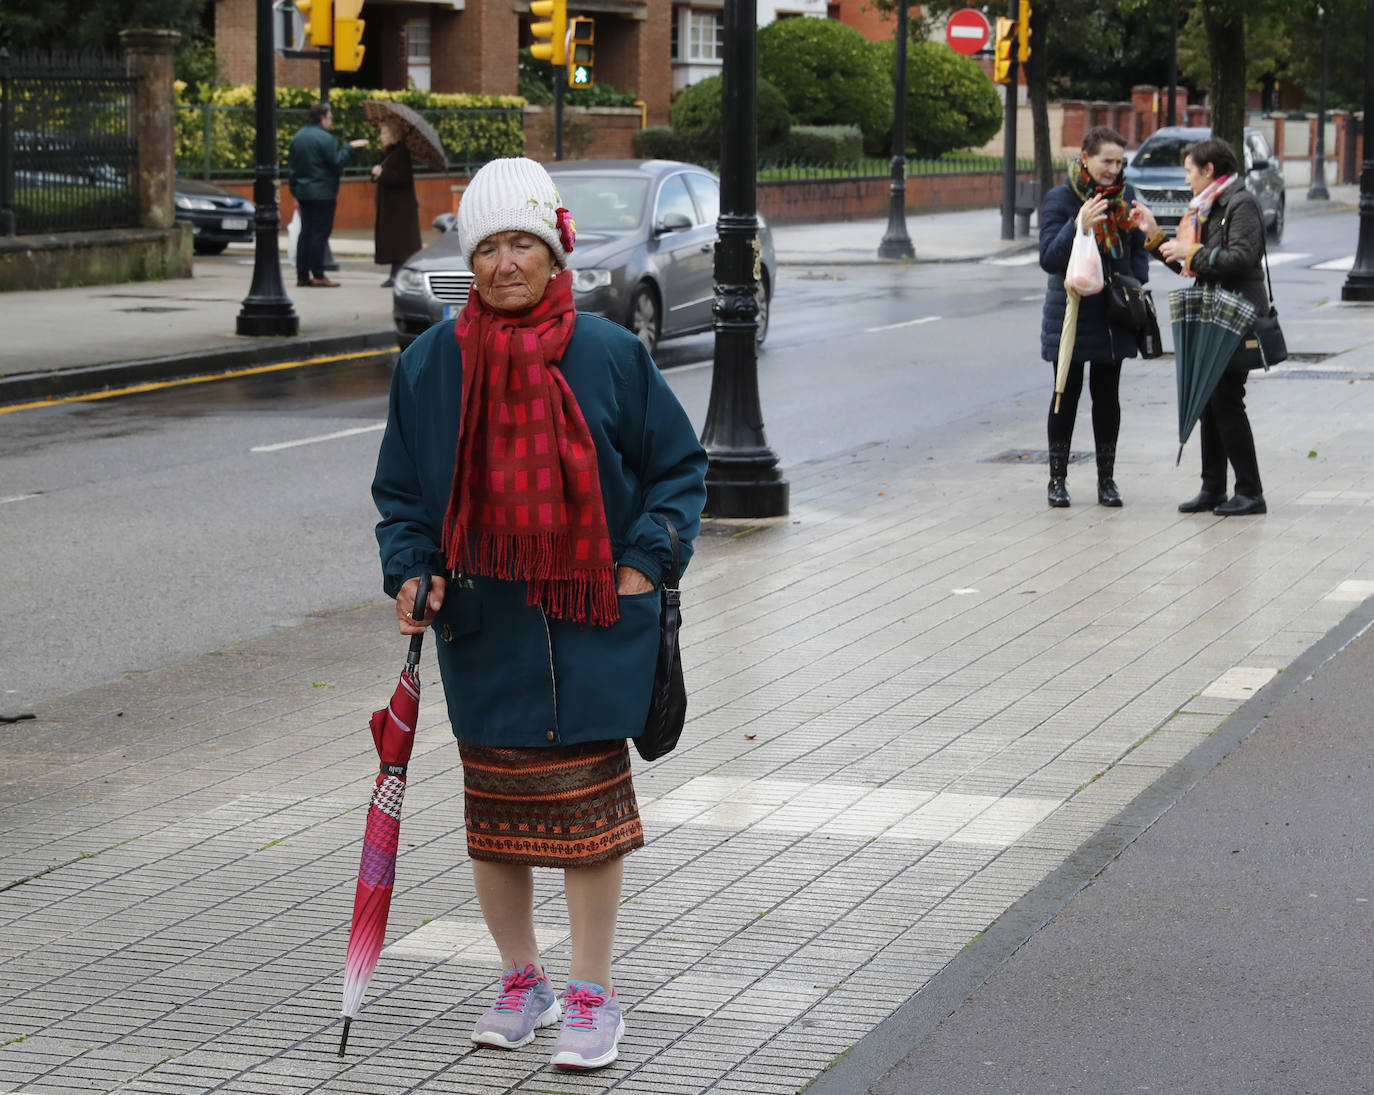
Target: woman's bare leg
593, 902
506, 894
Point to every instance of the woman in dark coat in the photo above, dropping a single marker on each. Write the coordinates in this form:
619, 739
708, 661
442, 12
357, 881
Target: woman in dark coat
1229, 252
397, 232
1092, 199
541, 519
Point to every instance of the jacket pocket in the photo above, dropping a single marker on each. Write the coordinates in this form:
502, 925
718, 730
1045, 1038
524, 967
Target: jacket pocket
461, 612
605, 674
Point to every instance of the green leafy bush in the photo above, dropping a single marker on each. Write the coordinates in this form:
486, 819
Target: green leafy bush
696, 118
218, 135
829, 74
827, 144
950, 102
656, 142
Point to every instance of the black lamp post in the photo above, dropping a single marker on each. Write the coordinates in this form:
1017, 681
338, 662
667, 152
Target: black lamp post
267, 310
1359, 283
1317, 191
896, 244
742, 478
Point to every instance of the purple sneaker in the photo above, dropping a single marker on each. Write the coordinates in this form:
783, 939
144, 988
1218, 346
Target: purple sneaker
592, 1028
526, 1003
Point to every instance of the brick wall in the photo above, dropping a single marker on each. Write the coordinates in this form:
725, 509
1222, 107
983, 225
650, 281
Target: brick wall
236, 42
589, 133
356, 211
806, 202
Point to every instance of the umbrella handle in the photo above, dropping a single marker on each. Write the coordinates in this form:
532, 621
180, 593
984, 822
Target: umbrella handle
418, 614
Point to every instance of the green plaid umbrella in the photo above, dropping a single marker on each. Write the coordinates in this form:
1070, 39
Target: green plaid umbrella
1209, 323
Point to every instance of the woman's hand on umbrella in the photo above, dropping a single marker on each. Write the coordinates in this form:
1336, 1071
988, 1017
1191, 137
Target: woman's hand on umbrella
1143, 218
1093, 213
359, 142
376, 170
629, 580
405, 604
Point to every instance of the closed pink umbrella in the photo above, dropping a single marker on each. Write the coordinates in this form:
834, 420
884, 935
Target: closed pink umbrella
393, 732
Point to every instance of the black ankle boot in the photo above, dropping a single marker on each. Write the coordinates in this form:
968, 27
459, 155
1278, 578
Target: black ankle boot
1107, 494
1058, 493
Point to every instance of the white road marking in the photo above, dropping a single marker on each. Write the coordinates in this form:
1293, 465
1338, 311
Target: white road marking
1341, 265
17, 498
1278, 258
322, 437
904, 323
1025, 258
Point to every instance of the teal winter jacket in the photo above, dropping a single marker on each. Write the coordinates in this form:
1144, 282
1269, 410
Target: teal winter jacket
514, 677
314, 163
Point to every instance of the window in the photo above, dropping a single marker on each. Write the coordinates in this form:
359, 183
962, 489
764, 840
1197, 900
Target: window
707, 193
417, 53
703, 33
673, 198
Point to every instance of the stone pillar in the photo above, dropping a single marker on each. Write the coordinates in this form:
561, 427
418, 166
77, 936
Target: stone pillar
1145, 99
148, 56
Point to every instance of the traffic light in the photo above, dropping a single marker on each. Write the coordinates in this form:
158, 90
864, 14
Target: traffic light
1001, 62
348, 35
581, 56
1023, 32
552, 32
319, 21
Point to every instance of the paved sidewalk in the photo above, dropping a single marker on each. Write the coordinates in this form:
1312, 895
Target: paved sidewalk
914, 699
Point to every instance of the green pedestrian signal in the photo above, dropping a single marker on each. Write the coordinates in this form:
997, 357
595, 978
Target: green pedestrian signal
581, 57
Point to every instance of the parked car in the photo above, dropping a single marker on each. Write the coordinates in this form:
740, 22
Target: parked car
646, 233
218, 217
1156, 172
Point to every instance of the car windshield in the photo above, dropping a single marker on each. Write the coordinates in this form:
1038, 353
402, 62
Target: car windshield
603, 203
1162, 152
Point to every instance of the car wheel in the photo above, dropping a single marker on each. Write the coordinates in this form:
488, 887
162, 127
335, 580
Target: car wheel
645, 321
207, 247
765, 294
1276, 229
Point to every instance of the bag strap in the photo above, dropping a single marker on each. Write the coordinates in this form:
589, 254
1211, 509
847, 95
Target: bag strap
1264, 236
671, 579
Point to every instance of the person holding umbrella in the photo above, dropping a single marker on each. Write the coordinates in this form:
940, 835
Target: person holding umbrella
1221, 244
396, 233
1094, 199
529, 454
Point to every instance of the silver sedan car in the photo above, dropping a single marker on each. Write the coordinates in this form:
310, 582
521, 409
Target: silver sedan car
645, 254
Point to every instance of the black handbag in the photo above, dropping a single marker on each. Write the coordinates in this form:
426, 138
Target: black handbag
1132, 306
1265, 344
1147, 338
668, 700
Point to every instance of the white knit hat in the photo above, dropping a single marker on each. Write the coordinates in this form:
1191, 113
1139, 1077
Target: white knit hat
514, 195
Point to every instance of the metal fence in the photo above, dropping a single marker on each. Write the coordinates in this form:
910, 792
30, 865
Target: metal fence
68, 151
871, 167
214, 141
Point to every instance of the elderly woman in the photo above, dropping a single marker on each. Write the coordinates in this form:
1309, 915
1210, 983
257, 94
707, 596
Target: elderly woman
529, 456
1093, 199
1229, 253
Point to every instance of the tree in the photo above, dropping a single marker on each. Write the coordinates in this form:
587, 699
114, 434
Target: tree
696, 118
950, 102
76, 25
828, 74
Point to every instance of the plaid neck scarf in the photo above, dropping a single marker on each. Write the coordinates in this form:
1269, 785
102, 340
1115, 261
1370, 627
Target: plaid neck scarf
526, 499
1118, 221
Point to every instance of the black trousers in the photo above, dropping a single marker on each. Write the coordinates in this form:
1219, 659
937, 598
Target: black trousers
1226, 436
1104, 382
317, 222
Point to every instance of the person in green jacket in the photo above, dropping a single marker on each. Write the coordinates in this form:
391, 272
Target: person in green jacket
314, 164
530, 458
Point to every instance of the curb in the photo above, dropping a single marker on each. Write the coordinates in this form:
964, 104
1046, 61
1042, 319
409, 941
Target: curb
89, 379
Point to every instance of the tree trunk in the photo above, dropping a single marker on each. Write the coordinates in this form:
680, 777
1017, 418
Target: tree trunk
1225, 23
1037, 87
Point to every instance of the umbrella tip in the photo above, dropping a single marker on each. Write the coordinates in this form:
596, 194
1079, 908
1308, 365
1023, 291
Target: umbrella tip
343, 1039
1179, 459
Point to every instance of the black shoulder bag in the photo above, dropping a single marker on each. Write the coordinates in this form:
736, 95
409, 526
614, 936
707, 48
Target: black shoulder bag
668, 701
1270, 344
1132, 306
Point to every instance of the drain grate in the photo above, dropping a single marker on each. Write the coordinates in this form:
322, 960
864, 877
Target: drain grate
1033, 456
153, 308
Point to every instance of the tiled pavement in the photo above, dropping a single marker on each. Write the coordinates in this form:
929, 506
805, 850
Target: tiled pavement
913, 698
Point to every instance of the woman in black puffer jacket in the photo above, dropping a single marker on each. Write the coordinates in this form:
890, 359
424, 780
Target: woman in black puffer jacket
1093, 199
1229, 253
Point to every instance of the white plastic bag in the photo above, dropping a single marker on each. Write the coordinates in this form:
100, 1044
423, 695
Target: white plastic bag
1084, 275
293, 235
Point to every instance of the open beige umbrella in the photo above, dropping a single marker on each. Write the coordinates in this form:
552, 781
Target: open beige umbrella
420, 138
1067, 336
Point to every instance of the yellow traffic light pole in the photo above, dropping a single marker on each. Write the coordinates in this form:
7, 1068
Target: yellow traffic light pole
1005, 72
551, 34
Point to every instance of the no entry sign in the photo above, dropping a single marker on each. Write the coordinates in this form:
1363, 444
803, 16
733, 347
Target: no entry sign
967, 31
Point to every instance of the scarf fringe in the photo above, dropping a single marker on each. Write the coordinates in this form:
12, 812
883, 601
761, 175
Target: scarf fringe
540, 560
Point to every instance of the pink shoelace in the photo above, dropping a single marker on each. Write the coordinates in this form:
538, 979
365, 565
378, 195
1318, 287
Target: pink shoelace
581, 1003
515, 989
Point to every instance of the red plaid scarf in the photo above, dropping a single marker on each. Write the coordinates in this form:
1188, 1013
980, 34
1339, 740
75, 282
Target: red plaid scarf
526, 499
1118, 223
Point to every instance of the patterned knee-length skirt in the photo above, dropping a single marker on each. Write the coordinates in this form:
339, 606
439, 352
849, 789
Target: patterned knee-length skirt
566, 806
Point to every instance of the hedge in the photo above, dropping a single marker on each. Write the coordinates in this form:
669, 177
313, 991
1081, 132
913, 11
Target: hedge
473, 128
